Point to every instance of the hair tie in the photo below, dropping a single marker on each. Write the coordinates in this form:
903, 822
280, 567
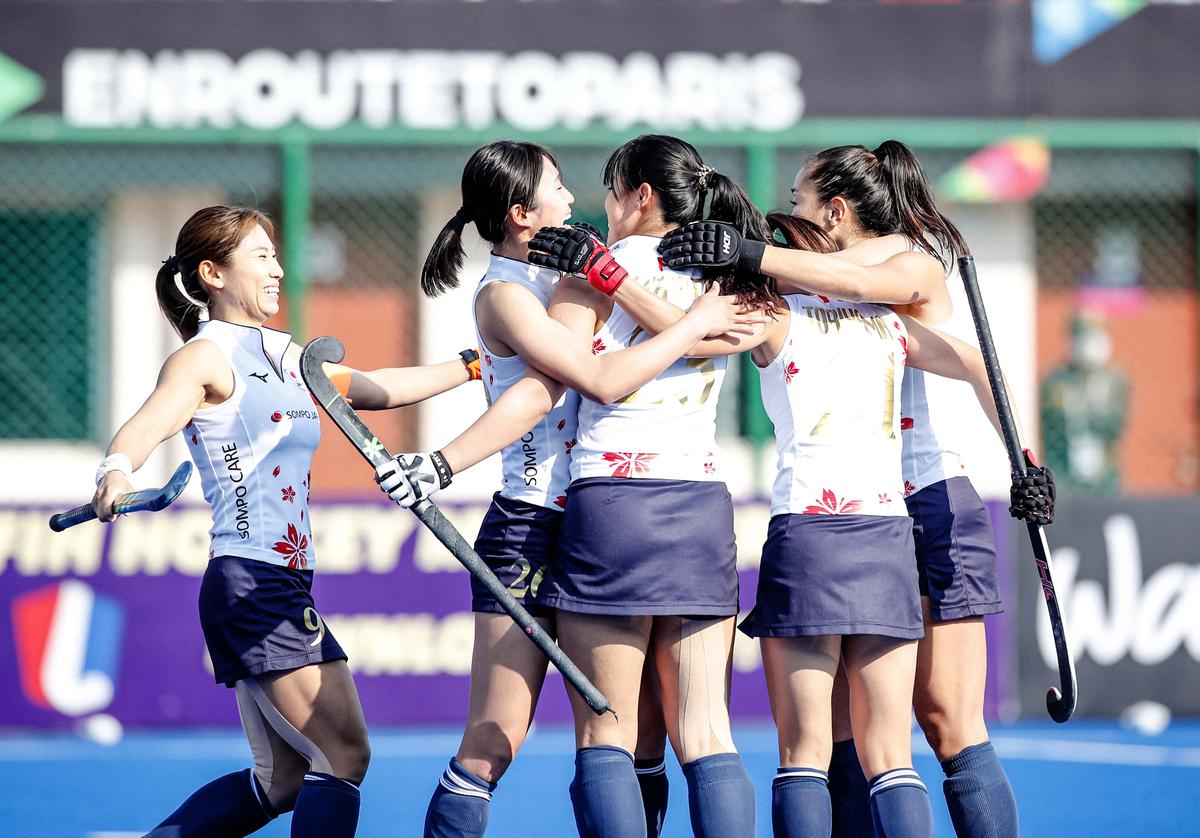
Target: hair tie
183, 291
461, 217
704, 177
883, 160
171, 264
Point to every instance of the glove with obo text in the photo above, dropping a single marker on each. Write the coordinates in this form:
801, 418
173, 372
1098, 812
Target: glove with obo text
410, 484
575, 250
1032, 496
711, 244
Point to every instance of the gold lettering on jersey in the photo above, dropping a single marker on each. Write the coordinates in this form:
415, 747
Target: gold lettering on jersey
826, 317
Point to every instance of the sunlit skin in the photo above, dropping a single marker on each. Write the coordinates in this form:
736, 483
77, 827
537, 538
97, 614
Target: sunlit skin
633, 212
551, 207
246, 290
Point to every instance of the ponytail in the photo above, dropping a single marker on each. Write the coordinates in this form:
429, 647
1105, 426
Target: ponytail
800, 233
730, 203
440, 271
889, 193
916, 211
181, 305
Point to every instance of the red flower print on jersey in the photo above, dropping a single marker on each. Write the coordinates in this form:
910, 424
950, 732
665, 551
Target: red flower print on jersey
491, 378
598, 346
906, 423
301, 514
277, 416
830, 505
294, 548
822, 298
896, 325
884, 497
561, 501
289, 494
487, 359
909, 488
904, 346
190, 424
626, 464
275, 471
710, 468
562, 423
195, 439
569, 444
790, 372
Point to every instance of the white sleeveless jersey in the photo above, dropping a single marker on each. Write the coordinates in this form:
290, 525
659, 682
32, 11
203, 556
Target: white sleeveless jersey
925, 460
254, 450
667, 428
833, 394
537, 467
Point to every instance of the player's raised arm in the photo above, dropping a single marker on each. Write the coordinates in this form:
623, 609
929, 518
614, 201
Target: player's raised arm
195, 374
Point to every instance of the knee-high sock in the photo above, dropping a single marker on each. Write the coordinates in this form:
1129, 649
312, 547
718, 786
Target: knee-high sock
652, 779
978, 795
459, 806
231, 807
849, 794
720, 797
327, 807
605, 794
800, 805
900, 805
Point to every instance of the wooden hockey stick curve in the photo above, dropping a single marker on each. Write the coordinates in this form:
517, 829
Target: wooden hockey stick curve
1059, 703
144, 500
327, 349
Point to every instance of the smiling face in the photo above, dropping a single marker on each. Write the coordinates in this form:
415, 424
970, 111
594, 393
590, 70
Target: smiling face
551, 202
246, 290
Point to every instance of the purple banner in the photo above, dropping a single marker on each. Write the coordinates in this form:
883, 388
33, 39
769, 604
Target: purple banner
103, 620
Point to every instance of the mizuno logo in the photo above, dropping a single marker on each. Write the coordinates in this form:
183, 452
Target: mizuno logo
261, 376
726, 243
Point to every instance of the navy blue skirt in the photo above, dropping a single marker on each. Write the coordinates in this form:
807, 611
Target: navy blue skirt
647, 547
259, 617
837, 574
956, 556
517, 541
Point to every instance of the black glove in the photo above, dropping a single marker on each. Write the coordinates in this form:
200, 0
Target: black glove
574, 250
592, 230
1032, 496
711, 244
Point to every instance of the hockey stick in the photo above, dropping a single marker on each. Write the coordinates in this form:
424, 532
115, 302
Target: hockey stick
330, 350
1060, 704
146, 500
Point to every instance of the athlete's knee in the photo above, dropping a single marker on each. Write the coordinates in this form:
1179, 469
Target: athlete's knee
487, 751
354, 759
280, 786
947, 728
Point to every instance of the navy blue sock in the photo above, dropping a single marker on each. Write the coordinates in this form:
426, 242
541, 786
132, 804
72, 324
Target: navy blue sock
327, 807
720, 797
652, 779
231, 807
849, 794
605, 794
459, 806
900, 805
800, 805
978, 795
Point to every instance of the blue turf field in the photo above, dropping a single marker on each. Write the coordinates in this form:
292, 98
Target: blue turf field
1084, 778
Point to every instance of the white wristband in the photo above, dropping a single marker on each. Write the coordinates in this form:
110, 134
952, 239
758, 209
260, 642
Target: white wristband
114, 462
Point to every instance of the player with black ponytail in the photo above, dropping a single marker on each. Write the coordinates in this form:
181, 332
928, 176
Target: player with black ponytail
896, 247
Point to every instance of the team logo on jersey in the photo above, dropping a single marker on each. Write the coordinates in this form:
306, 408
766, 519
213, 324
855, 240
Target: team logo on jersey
261, 376
830, 504
68, 641
277, 417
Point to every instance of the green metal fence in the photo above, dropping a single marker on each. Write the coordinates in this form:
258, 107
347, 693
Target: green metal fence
348, 204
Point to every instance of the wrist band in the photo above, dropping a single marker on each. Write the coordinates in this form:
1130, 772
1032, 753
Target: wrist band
470, 359
750, 255
444, 472
114, 462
